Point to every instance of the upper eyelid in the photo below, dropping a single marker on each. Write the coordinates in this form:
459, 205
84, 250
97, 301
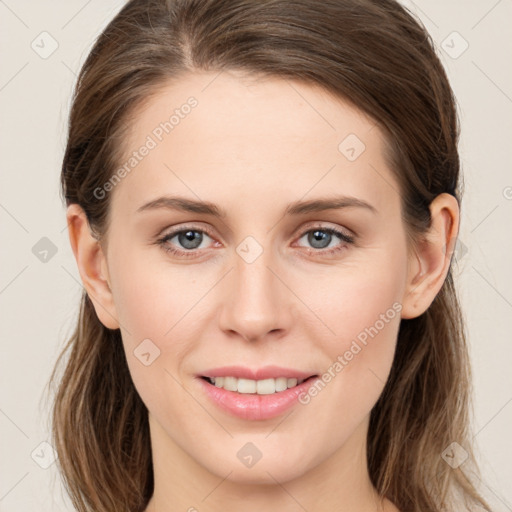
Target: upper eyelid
173, 232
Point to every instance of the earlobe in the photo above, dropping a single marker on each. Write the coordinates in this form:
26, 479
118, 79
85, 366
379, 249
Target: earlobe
92, 266
429, 262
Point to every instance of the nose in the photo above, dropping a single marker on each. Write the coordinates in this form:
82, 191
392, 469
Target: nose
257, 304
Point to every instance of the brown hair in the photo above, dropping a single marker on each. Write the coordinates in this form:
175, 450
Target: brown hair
372, 53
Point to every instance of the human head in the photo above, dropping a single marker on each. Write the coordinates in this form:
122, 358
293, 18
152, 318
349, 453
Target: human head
378, 60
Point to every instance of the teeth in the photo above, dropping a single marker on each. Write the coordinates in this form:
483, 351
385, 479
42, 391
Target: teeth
260, 387
282, 384
247, 386
230, 383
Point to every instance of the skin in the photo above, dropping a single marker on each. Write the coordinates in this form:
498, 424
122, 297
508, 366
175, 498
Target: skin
252, 147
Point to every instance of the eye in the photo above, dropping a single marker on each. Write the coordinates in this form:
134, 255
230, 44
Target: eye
186, 241
321, 238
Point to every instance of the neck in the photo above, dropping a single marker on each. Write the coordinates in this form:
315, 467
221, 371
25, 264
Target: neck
340, 483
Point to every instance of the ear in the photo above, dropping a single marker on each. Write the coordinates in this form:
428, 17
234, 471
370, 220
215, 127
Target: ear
429, 261
92, 266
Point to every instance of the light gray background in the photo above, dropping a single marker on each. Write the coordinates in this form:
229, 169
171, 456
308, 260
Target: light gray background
38, 299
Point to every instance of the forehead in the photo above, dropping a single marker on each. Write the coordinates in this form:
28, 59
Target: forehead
226, 137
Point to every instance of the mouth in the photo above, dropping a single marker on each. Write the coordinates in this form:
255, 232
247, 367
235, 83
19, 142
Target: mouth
268, 386
255, 394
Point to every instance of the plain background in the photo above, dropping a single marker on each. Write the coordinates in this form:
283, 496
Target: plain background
39, 291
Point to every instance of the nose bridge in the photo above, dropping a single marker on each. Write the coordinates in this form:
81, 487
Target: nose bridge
255, 304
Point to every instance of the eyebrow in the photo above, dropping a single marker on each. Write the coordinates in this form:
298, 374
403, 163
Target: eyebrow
295, 208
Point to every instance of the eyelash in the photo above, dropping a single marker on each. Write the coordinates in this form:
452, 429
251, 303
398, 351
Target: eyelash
193, 252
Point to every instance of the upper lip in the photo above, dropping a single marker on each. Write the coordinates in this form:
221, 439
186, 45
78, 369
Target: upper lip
265, 372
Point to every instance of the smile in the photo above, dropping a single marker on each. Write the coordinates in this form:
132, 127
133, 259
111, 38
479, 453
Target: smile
259, 394
259, 387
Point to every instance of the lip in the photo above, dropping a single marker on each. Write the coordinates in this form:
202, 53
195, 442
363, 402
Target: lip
252, 406
266, 372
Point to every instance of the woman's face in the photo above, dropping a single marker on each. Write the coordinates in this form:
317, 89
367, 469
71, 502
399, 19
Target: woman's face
265, 291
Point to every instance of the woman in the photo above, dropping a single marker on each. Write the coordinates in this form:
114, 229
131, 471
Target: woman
263, 200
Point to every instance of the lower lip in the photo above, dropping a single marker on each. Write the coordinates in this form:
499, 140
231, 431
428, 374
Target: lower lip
253, 406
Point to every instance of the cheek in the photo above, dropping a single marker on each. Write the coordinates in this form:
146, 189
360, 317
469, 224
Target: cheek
354, 299
158, 307
360, 316
152, 305
152, 300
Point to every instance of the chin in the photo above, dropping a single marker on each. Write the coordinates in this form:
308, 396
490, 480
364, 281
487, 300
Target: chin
269, 474
272, 467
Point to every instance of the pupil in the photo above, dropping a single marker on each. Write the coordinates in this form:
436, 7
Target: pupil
319, 236
190, 239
